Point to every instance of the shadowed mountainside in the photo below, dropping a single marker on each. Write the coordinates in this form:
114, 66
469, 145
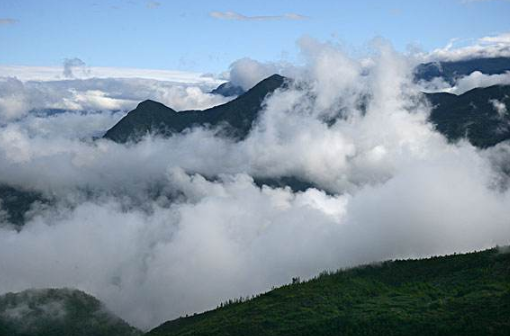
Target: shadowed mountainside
237, 116
451, 70
58, 312
472, 115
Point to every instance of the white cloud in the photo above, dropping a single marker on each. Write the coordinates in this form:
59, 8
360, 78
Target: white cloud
247, 72
466, 83
40, 73
18, 98
488, 46
70, 64
396, 189
229, 15
499, 107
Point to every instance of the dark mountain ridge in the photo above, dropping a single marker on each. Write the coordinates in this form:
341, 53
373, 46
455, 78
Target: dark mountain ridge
451, 70
471, 115
237, 116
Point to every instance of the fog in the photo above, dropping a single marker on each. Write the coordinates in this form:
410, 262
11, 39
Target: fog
168, 227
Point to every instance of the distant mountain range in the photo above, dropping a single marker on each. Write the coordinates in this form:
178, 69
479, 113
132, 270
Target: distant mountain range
457, 295
58, 312
447, 70
472, 115
451, 70
480, 115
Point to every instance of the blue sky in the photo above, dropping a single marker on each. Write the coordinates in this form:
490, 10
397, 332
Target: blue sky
183, 35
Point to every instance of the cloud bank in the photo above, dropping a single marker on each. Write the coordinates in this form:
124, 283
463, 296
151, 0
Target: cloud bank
168, 227
466, 83
485, 47
18, 99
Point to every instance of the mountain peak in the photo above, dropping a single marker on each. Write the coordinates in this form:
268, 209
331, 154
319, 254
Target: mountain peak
153, 117
151, 104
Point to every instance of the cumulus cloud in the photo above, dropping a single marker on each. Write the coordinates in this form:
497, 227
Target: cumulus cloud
499, 107
70, 64
247, 72
229, 15
190, 226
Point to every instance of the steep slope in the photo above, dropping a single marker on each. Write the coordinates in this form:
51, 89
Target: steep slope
58, 312
473, 115
449, 71
236, 116
455, 295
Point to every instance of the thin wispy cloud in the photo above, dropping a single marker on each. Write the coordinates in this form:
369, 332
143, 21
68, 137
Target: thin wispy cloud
7, 21
153, 4
228, 15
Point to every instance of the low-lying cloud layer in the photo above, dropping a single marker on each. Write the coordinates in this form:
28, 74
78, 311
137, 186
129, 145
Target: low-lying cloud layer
466, 83
487, 46
167, 227
18, 98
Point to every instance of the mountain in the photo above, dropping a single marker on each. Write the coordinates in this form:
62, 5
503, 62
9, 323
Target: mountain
466, 294
58, 312
228, 90
237, 115
480, 115
451, 70
473, 115
16, 202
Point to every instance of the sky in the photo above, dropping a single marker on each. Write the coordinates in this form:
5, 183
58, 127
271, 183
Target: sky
207, 36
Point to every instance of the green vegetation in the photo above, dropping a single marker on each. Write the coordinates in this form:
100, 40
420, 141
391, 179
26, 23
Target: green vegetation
466, 294
58, 312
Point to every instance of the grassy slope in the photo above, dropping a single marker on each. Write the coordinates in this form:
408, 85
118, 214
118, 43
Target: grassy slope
455, 295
